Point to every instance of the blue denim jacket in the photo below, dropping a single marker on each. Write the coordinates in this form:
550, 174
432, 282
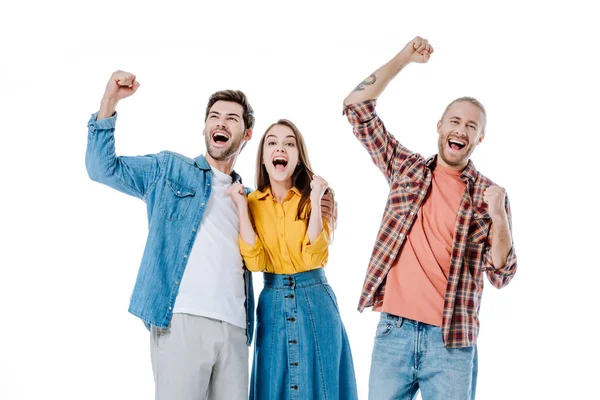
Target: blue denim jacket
176, 191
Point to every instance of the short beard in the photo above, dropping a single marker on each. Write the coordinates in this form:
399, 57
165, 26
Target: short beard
442, 146
224, 153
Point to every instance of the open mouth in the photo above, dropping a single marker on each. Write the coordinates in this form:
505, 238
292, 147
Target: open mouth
220, 137
280, 163
456, 145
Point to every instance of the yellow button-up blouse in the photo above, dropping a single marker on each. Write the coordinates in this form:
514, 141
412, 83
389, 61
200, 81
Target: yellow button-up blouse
281, 242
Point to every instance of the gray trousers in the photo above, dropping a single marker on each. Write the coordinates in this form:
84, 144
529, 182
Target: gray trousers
199, 358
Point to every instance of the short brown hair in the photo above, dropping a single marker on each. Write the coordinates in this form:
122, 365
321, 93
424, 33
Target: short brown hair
235, 96
473, 101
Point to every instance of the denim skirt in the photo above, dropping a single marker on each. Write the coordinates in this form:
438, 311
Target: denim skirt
301, 349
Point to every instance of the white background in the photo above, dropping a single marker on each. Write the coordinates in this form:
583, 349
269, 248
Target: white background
71, 248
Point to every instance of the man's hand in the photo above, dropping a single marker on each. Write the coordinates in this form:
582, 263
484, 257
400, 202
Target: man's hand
120, 85
417, 50
495, 196
329, 209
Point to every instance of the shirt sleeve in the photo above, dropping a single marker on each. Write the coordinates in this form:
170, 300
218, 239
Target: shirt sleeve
501, 277
131, 175
391, 157
315, 254
254, 256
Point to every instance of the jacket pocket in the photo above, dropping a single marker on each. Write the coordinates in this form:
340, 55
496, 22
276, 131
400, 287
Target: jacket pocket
176, 200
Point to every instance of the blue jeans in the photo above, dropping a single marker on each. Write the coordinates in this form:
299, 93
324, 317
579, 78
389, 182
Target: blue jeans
410, 355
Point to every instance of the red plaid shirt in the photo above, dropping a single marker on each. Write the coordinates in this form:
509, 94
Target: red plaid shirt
409, 176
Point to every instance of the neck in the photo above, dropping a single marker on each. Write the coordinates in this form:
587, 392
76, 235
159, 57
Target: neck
280, 189
458, 167
225, 166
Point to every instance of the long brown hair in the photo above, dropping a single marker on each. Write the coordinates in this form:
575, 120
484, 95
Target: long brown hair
302, 176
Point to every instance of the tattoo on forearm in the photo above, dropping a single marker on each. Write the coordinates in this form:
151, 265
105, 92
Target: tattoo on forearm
369, 81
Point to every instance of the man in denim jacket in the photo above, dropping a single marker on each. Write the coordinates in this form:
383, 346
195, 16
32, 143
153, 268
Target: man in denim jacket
192, 289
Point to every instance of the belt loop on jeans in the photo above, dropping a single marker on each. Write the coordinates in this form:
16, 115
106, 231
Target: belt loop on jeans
400, 322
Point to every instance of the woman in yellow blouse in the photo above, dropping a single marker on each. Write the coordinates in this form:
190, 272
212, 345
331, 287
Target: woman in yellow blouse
301, 349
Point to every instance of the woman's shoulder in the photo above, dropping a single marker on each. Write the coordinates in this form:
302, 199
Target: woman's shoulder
255, 197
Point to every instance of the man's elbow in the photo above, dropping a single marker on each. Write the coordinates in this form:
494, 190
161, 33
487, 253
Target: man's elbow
95, 170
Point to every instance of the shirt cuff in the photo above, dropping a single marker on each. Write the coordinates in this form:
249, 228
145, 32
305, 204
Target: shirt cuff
249, 250
319, 245
511, 261
106, 123
359, 113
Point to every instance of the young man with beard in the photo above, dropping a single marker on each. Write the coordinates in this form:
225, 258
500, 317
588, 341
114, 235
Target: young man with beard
192, 290
445, 225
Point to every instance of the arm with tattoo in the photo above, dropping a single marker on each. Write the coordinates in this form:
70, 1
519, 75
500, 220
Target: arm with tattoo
417, 50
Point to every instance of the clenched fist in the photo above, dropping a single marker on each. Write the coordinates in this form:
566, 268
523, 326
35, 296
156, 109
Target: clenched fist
417, 50
121, 85
495, 196
318, 186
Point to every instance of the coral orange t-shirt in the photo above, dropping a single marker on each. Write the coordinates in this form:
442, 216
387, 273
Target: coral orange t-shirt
416, 284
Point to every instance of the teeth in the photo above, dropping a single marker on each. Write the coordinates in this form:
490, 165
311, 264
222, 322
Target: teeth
219, 135
279, 161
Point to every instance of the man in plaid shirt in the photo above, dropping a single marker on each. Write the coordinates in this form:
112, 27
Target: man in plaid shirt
445, 225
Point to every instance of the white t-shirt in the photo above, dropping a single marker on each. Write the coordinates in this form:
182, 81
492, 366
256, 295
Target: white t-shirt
213, 281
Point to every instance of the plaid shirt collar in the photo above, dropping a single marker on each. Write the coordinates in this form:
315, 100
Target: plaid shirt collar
468, 174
